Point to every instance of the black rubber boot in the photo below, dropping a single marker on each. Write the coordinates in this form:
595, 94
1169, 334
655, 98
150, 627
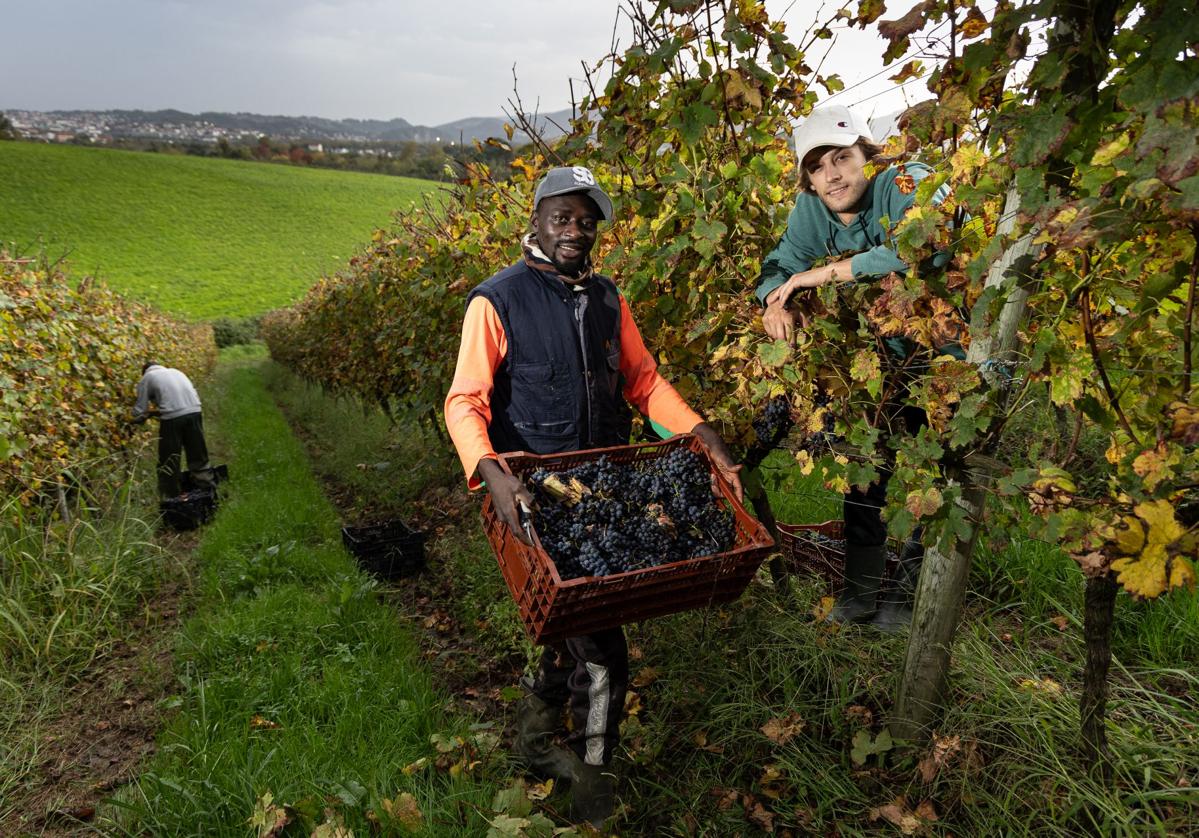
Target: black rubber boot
536, 724
858, 599
899, 592
594, 794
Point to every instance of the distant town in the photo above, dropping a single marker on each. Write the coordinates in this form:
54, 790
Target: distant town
177, 127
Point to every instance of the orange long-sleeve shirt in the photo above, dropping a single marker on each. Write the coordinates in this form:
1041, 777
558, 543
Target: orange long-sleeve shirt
484, 345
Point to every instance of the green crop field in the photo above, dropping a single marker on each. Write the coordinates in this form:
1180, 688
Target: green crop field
195, 236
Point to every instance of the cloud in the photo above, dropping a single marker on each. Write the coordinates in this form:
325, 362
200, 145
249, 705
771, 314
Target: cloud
429, 62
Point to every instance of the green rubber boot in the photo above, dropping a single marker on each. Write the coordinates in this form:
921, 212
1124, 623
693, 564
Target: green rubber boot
536, 724
594, 794
858, 600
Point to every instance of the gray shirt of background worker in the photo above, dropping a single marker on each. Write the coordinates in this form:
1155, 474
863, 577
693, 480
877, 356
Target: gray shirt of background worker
180, 429
169, 389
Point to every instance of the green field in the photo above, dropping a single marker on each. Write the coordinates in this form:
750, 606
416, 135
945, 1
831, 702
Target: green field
195, 236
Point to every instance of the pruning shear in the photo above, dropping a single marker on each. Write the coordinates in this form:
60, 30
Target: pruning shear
526, 520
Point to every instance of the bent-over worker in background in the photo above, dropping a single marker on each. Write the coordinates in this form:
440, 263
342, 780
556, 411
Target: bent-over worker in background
180, 425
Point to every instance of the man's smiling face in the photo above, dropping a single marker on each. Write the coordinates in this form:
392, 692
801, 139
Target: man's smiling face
566, 227
838, 177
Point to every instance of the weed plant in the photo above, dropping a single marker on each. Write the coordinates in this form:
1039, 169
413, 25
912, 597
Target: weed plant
68, 590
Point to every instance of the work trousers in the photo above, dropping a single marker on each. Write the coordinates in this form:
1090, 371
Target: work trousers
183, 433
591, 672
862, 510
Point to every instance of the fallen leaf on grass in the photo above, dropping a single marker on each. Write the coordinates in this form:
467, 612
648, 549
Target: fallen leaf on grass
645, 677
263, 723
632, 704
1044, 686
700, 738
943, 749
783, 729
412, 767
822, 609
406, 810
856, 713
267, 818
540, 791
897, 814
757, 814
726, 798
771, 782
1061, 621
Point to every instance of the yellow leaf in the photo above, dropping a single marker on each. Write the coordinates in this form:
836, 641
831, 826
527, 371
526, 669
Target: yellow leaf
805, 461
1154, 465
406, 810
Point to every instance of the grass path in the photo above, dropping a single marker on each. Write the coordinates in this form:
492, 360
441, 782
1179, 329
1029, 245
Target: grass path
302, 698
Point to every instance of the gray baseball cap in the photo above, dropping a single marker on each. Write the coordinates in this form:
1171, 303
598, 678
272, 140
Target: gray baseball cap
565, 180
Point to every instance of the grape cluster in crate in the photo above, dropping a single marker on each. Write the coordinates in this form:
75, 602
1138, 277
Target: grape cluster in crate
601, 517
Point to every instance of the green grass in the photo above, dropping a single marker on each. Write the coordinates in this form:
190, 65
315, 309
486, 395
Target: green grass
297, 679
195, 236
69, 592
695, 761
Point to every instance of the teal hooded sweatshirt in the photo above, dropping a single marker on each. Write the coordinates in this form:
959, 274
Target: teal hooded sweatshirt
815, 232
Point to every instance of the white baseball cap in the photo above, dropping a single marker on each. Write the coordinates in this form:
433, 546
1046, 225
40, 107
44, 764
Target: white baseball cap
831, 125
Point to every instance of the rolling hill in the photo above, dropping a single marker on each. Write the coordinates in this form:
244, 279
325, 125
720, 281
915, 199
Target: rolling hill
195, 236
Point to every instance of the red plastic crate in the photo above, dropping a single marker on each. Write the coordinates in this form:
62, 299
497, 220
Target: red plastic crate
553, 608
805, 554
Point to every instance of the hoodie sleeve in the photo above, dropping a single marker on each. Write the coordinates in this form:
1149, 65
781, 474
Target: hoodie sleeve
142, 405
790, 255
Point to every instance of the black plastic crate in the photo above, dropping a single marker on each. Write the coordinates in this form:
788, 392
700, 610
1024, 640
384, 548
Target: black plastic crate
190, 509
388, 550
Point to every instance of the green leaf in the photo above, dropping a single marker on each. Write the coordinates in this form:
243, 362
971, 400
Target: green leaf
775, 353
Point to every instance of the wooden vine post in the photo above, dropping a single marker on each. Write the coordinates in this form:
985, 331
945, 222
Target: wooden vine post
941, 591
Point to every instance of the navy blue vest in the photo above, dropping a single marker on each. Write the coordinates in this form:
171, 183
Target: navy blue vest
559, 388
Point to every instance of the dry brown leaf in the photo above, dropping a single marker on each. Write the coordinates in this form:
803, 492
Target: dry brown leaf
757, 814
406, 810
645, 677
263, 723
1061, 621
725, 798
927, 811
783, 729
857, 714
897, 814
943, 750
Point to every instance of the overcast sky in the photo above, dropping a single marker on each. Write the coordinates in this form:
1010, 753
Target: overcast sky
429, 62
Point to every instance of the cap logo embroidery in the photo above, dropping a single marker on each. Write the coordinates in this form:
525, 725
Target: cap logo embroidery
583, 175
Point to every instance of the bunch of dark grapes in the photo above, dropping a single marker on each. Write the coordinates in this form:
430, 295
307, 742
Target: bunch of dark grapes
770, 426
631, 516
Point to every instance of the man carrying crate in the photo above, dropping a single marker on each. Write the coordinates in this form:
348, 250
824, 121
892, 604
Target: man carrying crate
549, 362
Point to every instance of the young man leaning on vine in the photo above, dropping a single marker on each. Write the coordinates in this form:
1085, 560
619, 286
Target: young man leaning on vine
840, 210
549, 361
